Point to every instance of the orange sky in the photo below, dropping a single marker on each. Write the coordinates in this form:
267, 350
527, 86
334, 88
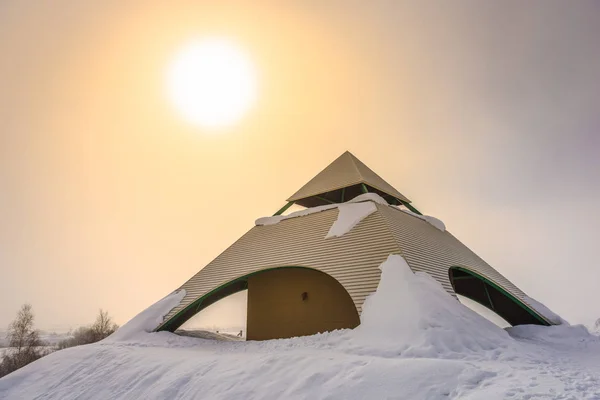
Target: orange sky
484, 115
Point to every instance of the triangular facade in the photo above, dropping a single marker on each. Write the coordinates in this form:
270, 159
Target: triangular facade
300, 280
341, 181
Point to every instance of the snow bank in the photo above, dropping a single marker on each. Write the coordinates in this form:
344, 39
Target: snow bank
415, 342
412, 315
556, 334
350, 214
149, 319
545, 311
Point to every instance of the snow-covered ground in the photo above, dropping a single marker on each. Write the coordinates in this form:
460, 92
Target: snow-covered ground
414, 342
50, 338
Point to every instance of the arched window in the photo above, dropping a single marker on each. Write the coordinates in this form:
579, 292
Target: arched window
484, 291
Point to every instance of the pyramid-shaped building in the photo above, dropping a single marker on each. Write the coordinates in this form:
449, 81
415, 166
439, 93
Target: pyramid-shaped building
311, 271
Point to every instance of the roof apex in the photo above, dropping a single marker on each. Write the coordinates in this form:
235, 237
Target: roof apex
345, 171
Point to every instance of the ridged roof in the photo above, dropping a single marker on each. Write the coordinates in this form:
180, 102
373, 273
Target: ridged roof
345, 171
352, 259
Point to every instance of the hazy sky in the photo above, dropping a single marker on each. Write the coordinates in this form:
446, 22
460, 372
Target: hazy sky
486, 115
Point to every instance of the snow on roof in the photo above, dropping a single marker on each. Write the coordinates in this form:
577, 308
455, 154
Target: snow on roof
302, 213
350, 213
415, 342
438, 223
545, 311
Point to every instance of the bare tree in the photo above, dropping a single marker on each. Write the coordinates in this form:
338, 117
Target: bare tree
24, 341
104, 326
100, 329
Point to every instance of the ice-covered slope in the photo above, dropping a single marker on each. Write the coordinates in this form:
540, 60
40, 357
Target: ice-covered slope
414, 342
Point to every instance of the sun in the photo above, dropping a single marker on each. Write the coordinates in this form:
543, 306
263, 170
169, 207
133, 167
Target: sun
212, 83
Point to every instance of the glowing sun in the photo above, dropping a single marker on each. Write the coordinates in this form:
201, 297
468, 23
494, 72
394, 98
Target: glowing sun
212, 83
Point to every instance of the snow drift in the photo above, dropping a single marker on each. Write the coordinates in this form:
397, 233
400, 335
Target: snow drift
415, 342
545, 311
412, 315
149, 319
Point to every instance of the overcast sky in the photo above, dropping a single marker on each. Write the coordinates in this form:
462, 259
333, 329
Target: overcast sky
485, 114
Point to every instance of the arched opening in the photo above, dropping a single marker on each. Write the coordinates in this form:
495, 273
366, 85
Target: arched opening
232, 287
480, 289
484, 312
288, 302
223, 320
282, 302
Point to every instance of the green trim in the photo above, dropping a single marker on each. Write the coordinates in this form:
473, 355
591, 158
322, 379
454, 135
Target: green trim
324, 199
524, 306
457, 278
166, 325
343, 193
411, 208
363, 187
487, 293
284, 208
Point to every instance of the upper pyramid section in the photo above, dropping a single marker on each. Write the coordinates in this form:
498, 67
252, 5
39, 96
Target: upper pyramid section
342, 180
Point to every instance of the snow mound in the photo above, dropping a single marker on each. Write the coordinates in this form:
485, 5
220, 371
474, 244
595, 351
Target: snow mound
350, 214
147, 320
555, 334
410, 314
415, 342
545, 311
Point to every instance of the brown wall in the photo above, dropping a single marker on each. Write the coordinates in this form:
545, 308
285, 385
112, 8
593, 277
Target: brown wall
276, 308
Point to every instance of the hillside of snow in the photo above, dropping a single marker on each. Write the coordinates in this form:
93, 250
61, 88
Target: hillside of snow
414, 342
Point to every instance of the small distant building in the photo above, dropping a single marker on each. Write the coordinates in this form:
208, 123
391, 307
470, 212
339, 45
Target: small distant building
302, 280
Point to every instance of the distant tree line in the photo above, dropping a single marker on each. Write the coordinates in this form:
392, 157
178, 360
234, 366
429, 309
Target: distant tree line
25, 345
103, 327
